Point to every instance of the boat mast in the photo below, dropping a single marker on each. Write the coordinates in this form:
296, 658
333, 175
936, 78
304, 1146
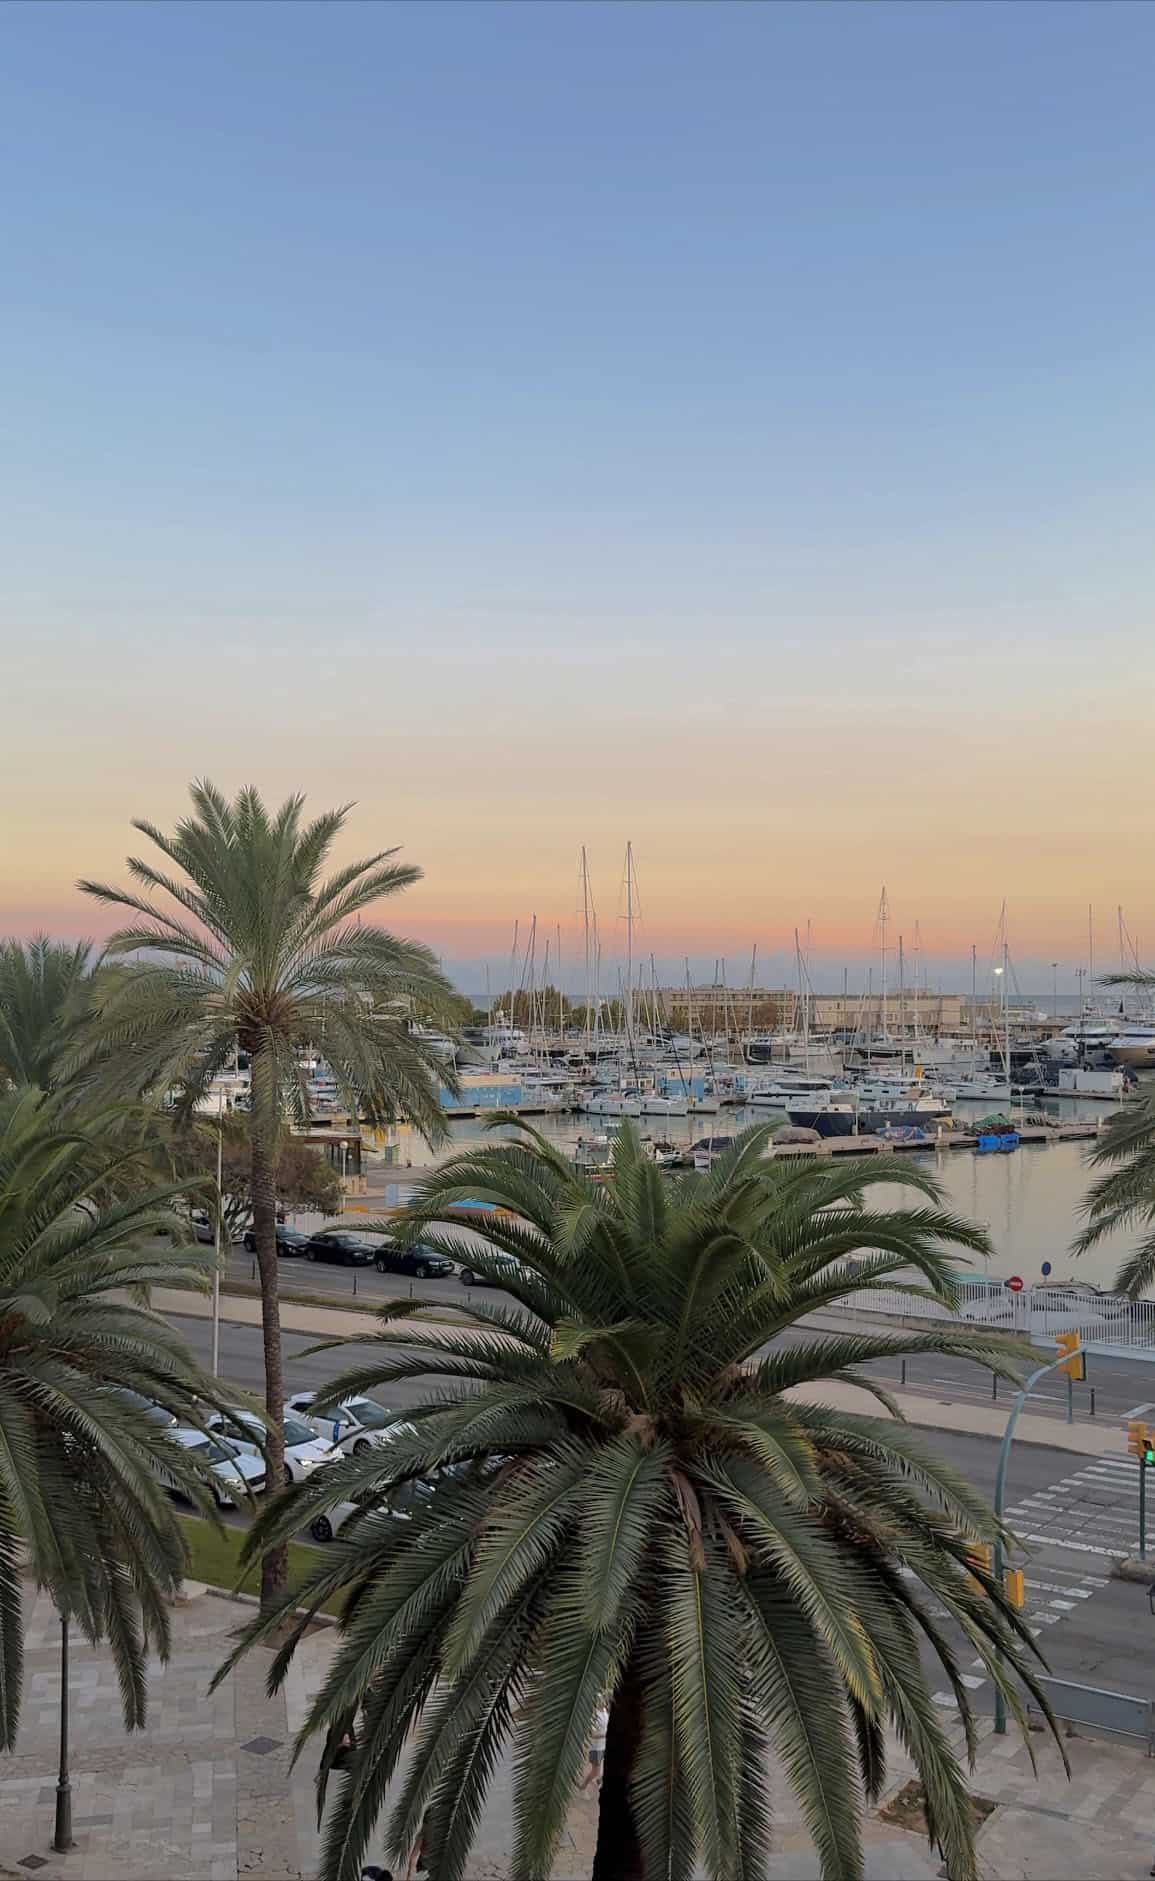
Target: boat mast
883, 918
630, 946
1091, 943
750, 1011
586, 942
901, 1007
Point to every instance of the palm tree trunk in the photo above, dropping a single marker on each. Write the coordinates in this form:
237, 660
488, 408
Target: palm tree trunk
619, 1856
275, 1564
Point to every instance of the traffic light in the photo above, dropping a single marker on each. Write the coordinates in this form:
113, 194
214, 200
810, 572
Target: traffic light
1137, 1440
1074, 1362
1016, 1587
978, 1555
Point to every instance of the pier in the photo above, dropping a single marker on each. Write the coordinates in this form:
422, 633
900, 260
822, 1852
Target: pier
944, 1140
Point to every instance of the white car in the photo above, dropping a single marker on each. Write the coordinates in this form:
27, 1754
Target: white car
399, 1506
304, 1450
237, 1474
355, 1426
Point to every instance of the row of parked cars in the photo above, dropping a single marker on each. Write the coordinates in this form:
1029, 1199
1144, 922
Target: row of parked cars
345, 1247
232, 1443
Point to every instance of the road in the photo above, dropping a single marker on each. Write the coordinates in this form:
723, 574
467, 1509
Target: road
1114, 1389
1071, 1514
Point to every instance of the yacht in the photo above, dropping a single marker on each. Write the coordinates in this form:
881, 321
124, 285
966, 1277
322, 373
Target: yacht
792, 1088
610, 1103
845, 1116
1132, 1045
1089, 1034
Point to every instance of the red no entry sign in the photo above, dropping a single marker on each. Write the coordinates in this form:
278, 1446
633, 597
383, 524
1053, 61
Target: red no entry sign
1015, 1283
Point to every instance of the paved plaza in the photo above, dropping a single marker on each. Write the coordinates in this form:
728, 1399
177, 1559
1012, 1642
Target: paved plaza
206, 1794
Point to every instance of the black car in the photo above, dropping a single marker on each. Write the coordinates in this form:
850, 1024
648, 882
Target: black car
424, 1263
336, 1244
289, 1240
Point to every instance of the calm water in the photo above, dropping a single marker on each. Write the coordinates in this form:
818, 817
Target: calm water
1029, 1200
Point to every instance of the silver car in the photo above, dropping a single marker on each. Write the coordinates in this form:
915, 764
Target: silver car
237, 1475
304, 1450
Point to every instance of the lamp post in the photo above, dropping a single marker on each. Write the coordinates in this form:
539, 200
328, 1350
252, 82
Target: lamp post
1055, 990
1000, 1491
216, 1360
62, 1837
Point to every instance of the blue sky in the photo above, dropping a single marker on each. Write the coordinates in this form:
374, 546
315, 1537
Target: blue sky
616, 383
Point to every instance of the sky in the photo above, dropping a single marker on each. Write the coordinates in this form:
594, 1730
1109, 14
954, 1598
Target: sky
720, 427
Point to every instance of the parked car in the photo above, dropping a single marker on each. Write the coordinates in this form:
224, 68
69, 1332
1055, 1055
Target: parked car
304, 1450
237, 1474
324, 1527
337, 1244
357, 1425
290, 1241
204, 1229
158, 1414
501, 1263
424, 1263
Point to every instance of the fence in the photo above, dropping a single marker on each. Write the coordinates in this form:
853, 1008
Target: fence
1038, 1313
1100, 1710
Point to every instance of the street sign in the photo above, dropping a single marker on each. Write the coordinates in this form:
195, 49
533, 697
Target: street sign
1015, 1283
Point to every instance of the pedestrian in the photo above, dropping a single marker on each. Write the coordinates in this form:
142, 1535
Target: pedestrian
417, 1852
597, 1749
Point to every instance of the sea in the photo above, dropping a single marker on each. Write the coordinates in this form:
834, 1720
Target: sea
1029, 1199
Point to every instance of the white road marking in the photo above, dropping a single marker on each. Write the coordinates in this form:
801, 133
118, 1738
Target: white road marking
972, 1684
1064, 1606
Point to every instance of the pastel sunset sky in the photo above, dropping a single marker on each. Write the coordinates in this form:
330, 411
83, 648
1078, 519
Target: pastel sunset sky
724, 427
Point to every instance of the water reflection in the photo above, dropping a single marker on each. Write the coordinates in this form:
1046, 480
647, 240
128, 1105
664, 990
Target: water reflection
1029, 1199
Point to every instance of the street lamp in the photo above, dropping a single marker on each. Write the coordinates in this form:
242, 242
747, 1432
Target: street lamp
1055, 989
62, 1835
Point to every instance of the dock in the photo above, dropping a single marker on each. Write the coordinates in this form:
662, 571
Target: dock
944, 1140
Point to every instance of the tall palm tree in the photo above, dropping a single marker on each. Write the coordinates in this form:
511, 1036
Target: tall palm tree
631, 1488
256, 952
82, 1465
45, 989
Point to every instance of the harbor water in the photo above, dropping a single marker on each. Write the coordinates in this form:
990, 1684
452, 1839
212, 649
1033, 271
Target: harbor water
1029, 1200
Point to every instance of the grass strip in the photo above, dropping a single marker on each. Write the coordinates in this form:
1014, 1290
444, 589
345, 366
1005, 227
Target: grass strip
215, 1559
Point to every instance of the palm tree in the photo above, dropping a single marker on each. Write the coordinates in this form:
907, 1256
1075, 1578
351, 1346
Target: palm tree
82, 1465
257, 953
627, 1484
1124, 1197
45, 989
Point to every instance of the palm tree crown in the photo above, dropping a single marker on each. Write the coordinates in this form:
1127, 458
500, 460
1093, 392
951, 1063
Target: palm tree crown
262, 954
82, 1466
45, 988
623, 1497
1123, 1198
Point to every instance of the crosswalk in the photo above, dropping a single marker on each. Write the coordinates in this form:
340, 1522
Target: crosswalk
1094, 1511
1071, 1530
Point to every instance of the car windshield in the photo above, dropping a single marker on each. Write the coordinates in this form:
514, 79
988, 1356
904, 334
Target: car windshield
369, 1414
155, 1413
296, 1432
213, 1450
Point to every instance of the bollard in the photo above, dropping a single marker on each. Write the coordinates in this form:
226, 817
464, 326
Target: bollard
354, 1283
1092, 1400
904, 1371
252, 1270
994, 1387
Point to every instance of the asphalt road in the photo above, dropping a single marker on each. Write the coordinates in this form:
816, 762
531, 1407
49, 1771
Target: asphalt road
1114, 1388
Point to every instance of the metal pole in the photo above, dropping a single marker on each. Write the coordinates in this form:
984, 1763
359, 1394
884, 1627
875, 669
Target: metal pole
1142, 1508
1000, 1495
62, 1839
216, 1362
1070, 1400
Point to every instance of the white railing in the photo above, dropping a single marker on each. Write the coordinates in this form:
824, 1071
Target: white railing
1101, 1319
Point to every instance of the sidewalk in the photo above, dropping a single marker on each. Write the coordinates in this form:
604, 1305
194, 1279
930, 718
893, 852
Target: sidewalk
977, 1420
206, 1793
